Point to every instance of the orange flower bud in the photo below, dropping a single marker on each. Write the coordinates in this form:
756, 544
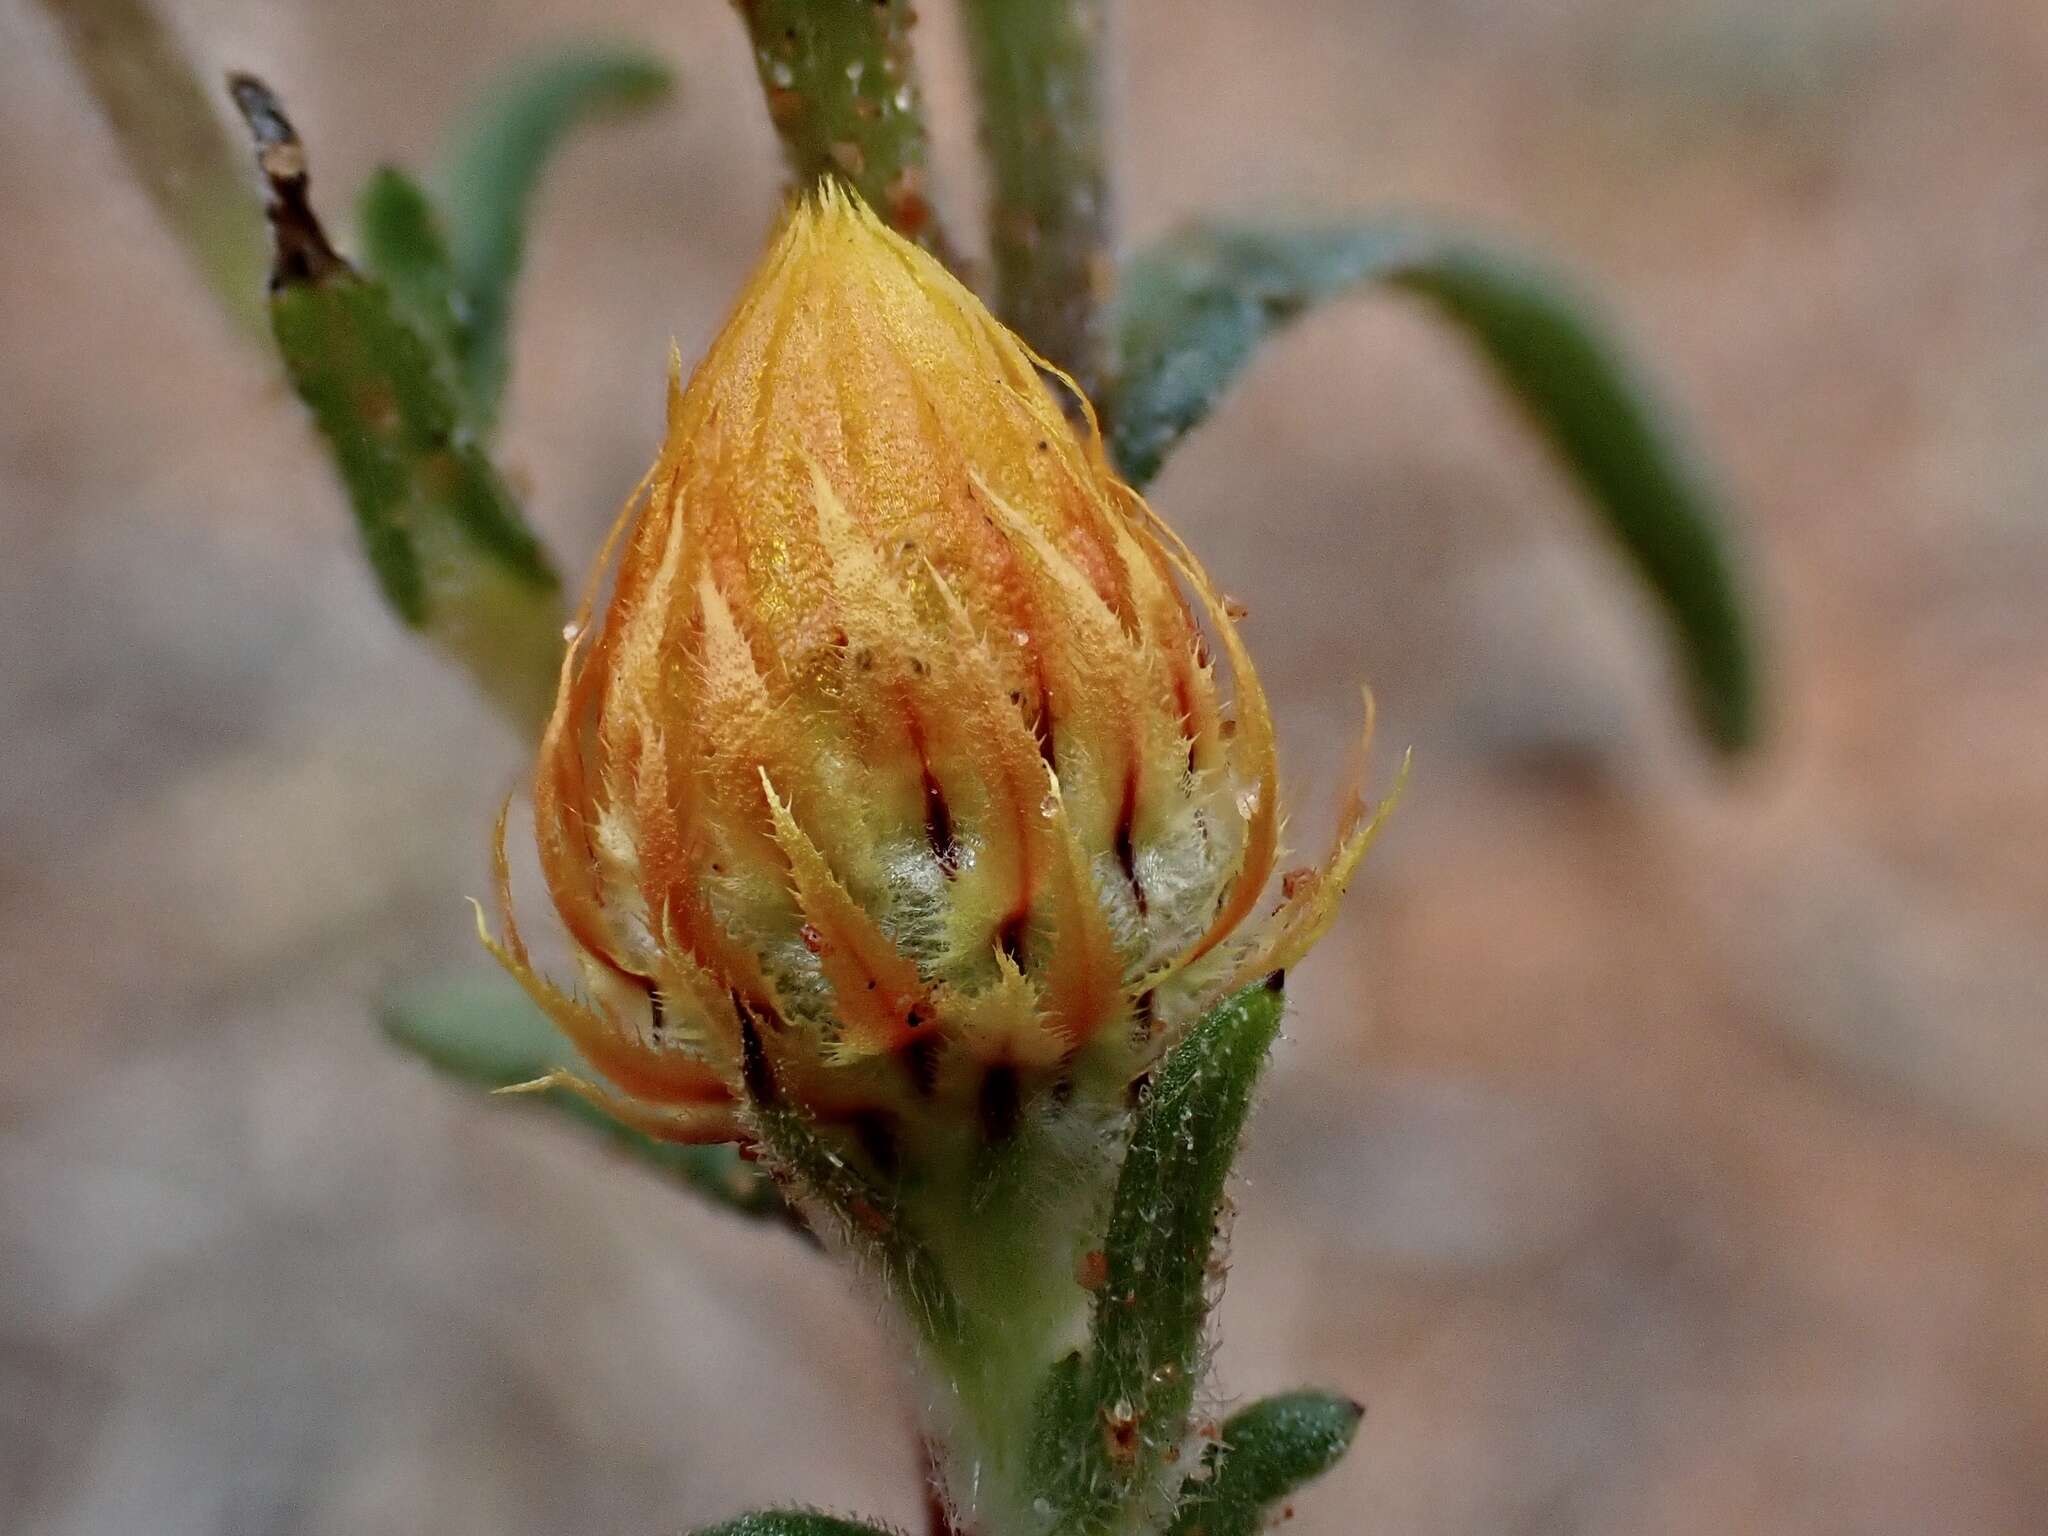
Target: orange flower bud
896, 782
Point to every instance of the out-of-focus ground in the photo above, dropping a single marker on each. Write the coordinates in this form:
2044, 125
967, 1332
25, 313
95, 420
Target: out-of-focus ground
1655, 1148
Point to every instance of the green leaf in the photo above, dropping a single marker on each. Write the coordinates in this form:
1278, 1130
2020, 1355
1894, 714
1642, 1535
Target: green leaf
439, 526
1266, 1452
490, 173
1191, 312
480, 1027
418, 484
405, 249
792, 1522
1147, 1336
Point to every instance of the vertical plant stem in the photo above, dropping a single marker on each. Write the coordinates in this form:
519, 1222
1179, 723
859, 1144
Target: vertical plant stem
842, 91
1038, 73
174, 143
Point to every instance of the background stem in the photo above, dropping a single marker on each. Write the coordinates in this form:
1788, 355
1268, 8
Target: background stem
842, 92
1038, 75
164, 122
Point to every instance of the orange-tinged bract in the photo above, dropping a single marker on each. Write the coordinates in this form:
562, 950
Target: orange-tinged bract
896, 782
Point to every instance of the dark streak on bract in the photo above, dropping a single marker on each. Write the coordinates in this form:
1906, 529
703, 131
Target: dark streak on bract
938, 824
1126, 853
755, 1073
921, 1061
1000, 1103
1010, 935
875, 1131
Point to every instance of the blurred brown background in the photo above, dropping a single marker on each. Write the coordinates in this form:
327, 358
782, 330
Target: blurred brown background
1655, 1148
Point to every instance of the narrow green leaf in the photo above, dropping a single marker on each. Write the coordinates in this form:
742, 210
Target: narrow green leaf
1192, 311
1150, 1313
405, 248
1266, 1452
379, 400
479, 1027
870, 1218
350, 360
490, 174
439, 526
793, 1522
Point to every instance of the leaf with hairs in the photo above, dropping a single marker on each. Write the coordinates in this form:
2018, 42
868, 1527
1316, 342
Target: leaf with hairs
1192, 310
1265, 1452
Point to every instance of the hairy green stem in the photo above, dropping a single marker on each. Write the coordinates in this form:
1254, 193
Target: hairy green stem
1038, 73
163, 120
1010, 1236
841, 84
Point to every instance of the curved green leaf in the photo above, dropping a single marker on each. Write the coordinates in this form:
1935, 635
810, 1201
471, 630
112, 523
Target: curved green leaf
440, 527
480, 1027
416, 483
1266, 1452
1191, 312
1109, 1428
490, 173
405, 248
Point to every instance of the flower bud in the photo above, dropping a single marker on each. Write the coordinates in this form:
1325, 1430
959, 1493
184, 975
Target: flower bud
897, 783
